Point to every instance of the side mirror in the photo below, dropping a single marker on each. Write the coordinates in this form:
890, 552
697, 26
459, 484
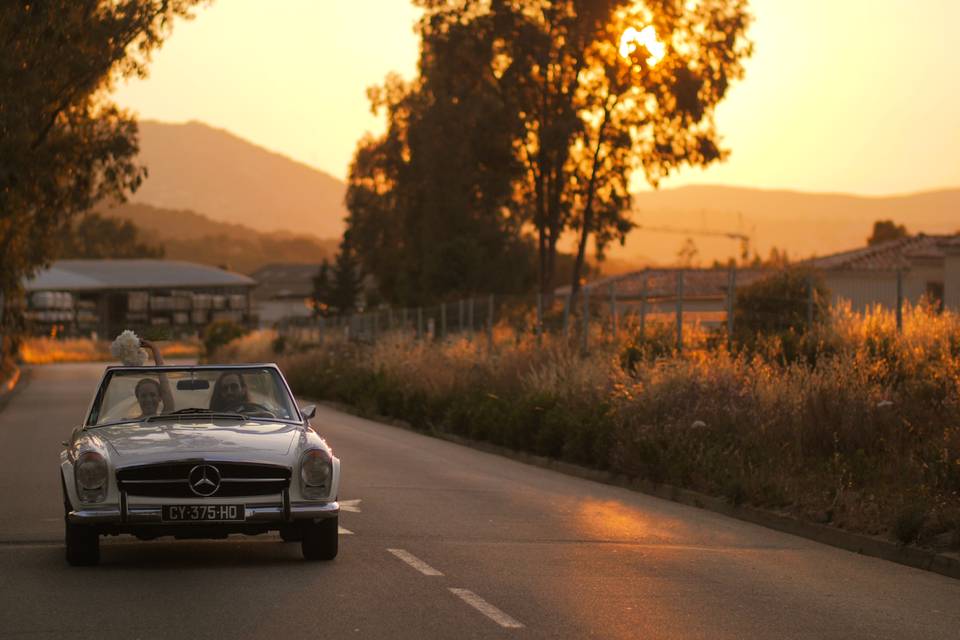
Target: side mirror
309, 411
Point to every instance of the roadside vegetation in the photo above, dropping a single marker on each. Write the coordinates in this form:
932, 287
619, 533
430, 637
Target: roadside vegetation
853, 424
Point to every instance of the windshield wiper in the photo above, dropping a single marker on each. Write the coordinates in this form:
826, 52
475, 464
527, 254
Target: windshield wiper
195, 411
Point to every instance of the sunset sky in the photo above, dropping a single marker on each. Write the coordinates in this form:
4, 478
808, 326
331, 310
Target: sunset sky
857, 96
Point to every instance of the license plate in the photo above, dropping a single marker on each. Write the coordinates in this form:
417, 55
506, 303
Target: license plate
202, 513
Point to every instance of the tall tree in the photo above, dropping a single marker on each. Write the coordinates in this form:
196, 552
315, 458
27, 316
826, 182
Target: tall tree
607, 87
430, 200
347, 280
885, 231
321, 289
63, 144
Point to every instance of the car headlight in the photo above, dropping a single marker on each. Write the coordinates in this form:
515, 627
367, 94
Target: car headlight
91, 474
316, 470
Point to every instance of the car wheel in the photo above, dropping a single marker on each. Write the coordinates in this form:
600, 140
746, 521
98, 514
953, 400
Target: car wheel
82, 543
320, 539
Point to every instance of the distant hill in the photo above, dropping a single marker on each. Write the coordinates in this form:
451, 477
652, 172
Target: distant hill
805, 224
186, 235
229, 180
197, 167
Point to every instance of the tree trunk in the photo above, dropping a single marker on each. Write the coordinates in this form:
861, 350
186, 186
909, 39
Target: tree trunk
588, 210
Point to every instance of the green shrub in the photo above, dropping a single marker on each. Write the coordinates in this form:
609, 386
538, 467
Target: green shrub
219, 333
778, 305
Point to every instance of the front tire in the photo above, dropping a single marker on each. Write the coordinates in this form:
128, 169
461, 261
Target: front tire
83, 545
82, 542
321, 539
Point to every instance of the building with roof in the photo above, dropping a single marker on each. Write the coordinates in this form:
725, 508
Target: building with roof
927, 266
283, 291
108, 296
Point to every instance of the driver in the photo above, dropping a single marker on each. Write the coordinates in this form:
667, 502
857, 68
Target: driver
229, 392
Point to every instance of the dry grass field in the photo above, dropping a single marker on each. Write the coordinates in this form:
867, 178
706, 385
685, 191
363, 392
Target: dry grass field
861, 428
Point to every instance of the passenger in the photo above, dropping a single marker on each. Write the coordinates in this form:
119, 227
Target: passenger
150, 392
229, 392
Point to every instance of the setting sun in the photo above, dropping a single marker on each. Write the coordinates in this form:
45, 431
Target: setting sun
647, 37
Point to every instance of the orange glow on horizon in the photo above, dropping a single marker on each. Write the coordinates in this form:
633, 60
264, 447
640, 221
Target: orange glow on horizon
632, 39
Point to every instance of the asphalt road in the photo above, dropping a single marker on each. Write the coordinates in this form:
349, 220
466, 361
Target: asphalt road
443, 542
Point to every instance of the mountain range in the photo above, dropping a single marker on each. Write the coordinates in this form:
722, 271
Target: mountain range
226, 179
213, 172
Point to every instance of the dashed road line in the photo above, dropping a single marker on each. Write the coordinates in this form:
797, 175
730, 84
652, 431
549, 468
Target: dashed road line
486, 608
344, 532
415, 562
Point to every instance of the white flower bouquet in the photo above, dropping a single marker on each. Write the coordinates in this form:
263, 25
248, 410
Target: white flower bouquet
127, 349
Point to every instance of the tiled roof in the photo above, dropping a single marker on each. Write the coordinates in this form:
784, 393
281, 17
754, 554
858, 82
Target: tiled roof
888, 255
662, 283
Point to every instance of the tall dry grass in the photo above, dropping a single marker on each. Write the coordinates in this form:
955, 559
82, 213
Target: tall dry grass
859, 427
45, 350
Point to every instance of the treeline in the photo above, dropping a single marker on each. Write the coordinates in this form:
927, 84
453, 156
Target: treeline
523, 129
142, 231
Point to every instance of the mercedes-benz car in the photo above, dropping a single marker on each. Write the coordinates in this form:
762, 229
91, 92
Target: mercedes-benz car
198, 452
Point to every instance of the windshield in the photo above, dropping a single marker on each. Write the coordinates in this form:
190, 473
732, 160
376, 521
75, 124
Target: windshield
254, 392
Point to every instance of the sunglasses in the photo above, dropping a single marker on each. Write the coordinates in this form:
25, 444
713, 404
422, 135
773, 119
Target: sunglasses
232, 386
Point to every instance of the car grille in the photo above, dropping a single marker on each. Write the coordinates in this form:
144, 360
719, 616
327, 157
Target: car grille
171, 480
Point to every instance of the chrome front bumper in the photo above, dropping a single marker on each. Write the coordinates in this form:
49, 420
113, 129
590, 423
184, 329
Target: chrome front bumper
254, 514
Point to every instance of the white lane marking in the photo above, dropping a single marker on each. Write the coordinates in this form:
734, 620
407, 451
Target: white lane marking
415, 562
352, 506
344, 532
486, 608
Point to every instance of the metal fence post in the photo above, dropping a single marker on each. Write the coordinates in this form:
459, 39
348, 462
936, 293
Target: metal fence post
490, 321
443, 320
731, 301
419, 323
680, 311
614, 325
586, 319
899, 300
643, 306
470, 316
539, 327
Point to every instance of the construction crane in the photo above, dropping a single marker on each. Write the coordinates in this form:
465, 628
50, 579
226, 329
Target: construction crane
733, 235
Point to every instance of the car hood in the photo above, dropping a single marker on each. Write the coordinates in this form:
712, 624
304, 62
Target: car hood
141, 443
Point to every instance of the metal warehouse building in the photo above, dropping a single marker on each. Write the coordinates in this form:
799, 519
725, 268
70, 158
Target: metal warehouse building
108, 296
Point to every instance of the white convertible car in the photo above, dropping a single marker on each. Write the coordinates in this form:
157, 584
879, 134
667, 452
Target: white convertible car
198, 452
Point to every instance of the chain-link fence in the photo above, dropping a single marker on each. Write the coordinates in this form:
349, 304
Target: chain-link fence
693, 305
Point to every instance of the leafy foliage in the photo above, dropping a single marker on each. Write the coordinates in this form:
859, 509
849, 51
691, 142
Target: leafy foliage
322, 290
64, 146
220, 333
885, 231
347, 283
429, 200
780, 304
526, 117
